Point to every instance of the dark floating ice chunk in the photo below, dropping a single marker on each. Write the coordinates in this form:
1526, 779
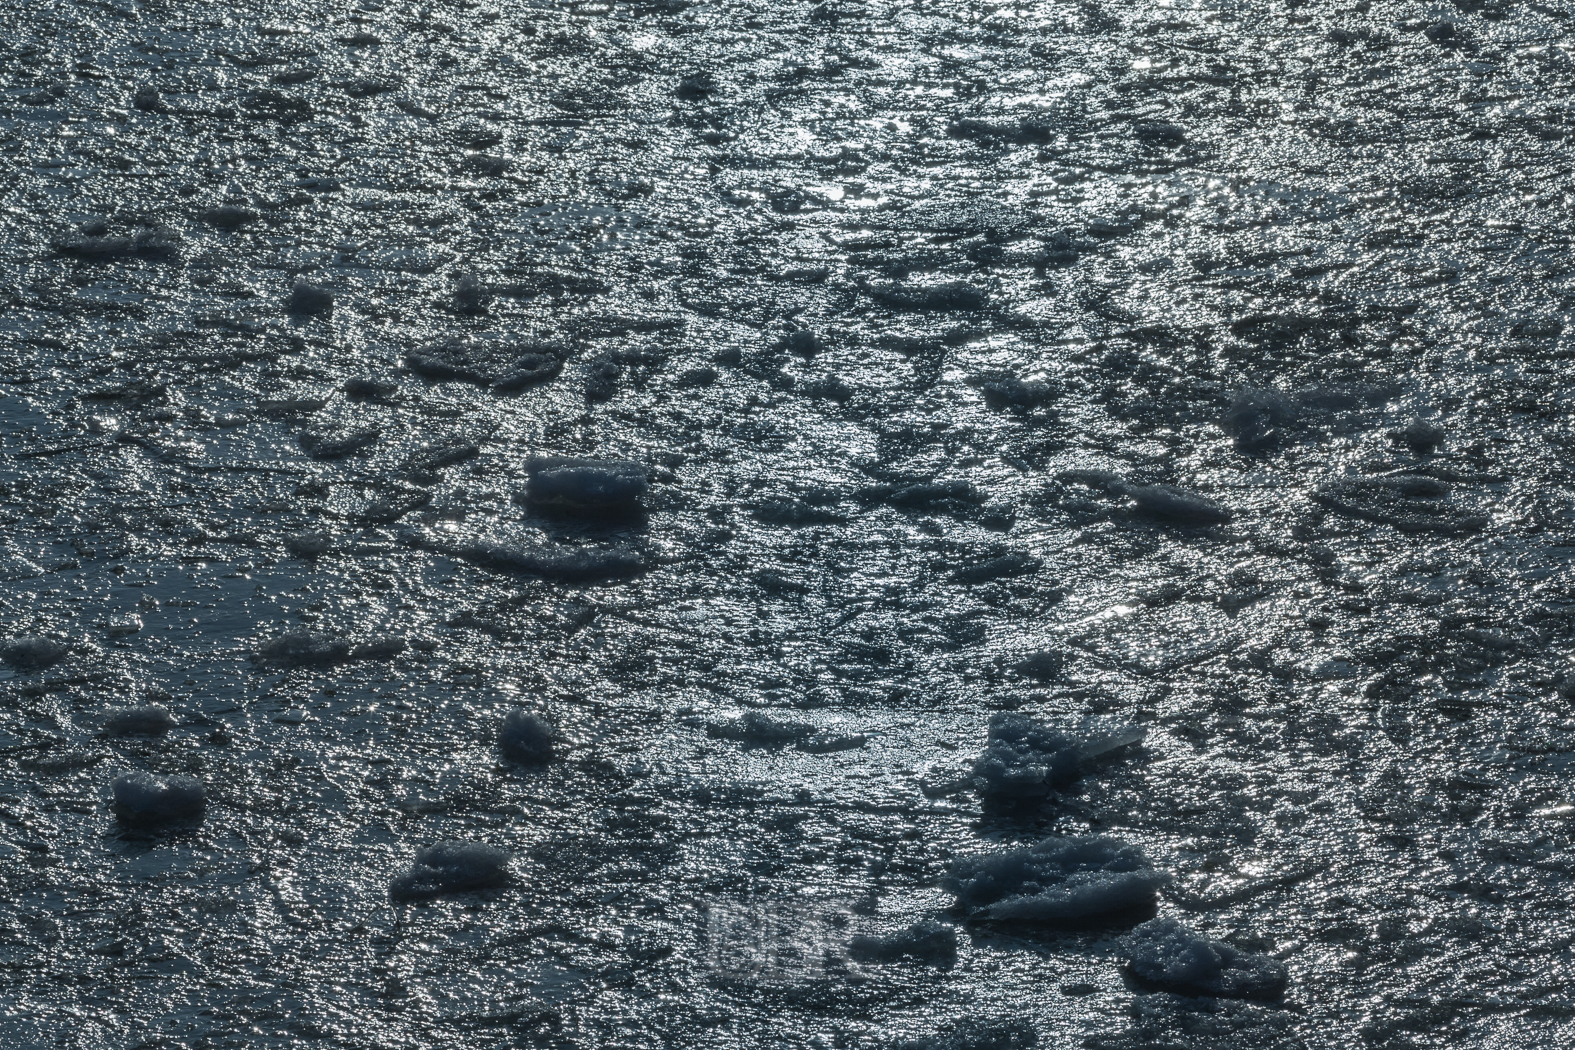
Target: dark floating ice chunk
455, 357
1044, 665
1420, 436
1059, 881
471, 295
307, 544
759, 729
1168, 954
451, 867
230, 217
157, 245
1025, 759
309, 300
32, 652
1258, 419
1007, 566
370, 386
1015, 393
525, 737
1408, 502
585, 486
937, 296
148, 100
151, 720
1166, 502
930, 942
1173, 503
142, 798
336, 443
530, 368
974, 1034
306, 648
553, 561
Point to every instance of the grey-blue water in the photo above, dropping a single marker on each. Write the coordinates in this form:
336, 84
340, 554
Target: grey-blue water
909, 312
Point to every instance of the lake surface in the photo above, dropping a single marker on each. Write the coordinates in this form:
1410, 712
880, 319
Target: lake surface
1194, 367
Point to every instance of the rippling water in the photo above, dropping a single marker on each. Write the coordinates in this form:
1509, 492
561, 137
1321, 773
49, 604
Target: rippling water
907, 307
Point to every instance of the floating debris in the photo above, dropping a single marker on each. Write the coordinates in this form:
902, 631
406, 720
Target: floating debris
1168, 954
145, 799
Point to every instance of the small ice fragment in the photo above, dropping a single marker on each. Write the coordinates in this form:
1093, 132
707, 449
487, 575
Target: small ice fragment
336, 444
32, 652
1015, 393
997, 1034
1421, 436
142, 798
824, 743
1173, 503
151, 720
531, 367
945, 295
524, 737
370, 386
148, 100
307, 544
760, 729
1004, 567
471, 295
451, 867
1059, 880
230, 216
304, 648
1167, 953
585, 486
554, 561
130, 623
379, 649
930, 942
1042, 665
309, 300
1258, 418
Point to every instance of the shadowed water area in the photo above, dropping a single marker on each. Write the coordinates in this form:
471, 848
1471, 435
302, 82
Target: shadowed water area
1197, 369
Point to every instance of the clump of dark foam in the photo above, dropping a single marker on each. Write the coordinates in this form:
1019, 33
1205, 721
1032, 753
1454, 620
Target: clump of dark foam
145, 799
929, 942
1025, 759
1166, 953
32, 652
526, 737
1059, 881
451, 867
151, 720
309, 300
992, 1034
585, 486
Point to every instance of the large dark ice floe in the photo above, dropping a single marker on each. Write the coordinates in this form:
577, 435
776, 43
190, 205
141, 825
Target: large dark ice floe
525, 737
585, 486
1027, 759
145, 799
451, 867
1059, 881
1168, 954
